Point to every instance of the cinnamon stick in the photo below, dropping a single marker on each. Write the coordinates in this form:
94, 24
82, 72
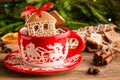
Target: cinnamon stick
101, 58
97, 55
109, 59
105, 55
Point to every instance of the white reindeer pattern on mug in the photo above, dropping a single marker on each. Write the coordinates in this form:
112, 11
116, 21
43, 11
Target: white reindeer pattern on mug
34, 54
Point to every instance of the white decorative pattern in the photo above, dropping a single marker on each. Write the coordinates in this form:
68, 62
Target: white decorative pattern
39, 56
17, 61
73, 43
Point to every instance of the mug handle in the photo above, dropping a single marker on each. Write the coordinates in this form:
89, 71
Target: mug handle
81, 44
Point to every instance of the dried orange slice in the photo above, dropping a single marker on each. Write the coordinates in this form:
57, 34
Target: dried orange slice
15, 35
10, 38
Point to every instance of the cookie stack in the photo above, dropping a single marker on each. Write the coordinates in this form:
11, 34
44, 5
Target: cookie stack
102, 40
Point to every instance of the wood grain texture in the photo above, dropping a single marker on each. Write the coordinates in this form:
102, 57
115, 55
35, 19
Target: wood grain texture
109, 72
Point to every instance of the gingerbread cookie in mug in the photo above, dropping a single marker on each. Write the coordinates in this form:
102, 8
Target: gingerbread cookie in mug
41, 26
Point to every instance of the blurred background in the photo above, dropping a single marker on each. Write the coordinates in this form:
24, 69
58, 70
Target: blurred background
77, 13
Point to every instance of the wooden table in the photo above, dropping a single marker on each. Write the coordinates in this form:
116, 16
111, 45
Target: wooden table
109, 72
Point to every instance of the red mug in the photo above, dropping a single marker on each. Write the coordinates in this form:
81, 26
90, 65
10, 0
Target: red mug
46, 51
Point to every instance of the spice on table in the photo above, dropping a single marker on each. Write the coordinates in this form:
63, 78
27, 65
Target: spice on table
3, 47
93, 70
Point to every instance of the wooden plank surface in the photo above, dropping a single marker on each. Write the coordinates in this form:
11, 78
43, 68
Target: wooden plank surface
109, 72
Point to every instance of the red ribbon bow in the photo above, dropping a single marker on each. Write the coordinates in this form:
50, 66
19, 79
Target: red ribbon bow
31, 9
